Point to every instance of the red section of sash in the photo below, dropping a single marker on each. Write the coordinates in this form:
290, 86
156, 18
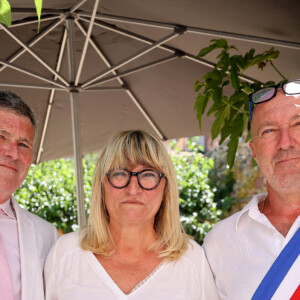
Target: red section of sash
296, 295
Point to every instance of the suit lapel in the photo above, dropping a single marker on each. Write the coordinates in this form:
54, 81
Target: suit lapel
28, 251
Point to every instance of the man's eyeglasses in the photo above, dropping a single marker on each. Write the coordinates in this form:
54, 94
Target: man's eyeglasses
267, 93
147, 179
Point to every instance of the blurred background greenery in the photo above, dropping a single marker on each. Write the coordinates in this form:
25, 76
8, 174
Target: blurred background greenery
208, 189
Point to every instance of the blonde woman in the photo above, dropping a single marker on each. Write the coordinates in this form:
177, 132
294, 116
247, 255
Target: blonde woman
134, 246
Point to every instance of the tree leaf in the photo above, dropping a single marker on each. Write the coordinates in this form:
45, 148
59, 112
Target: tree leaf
206, 50
225, 132
248, 138
220, 43
234, 77
237, 61
217, 95
271, 54
215, 129
247, 89
238, 125
215, 107
220, 116
216, 43
200, 105
232, 146
38, 7
198, 85
226, 63
214, 75
249, 54
269, 83
5, 12
238, 97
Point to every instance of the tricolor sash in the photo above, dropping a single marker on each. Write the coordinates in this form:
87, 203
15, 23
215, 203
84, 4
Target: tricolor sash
279, 270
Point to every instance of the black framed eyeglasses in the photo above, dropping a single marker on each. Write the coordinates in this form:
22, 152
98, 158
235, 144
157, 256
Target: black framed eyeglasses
148, 179
265, 94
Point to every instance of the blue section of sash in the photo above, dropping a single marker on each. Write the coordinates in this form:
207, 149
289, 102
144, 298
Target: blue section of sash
279, 269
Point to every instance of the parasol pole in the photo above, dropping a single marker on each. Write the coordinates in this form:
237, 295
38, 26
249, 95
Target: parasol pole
81, 217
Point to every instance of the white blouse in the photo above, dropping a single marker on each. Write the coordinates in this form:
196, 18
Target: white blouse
75, 274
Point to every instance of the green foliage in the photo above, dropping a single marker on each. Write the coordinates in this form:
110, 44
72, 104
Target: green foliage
231, 113
5, 11
49, 191
197, 207
222, 180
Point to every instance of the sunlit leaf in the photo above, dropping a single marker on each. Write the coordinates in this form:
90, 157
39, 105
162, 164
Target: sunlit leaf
38, 7
5, 12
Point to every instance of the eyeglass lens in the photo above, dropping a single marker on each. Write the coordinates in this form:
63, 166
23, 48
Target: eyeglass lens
292, 87
147, 179
263, 94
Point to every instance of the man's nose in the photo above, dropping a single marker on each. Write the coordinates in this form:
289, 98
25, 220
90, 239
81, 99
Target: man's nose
286, 138
10, 149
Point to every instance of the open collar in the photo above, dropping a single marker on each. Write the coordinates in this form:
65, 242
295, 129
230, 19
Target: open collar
252, 210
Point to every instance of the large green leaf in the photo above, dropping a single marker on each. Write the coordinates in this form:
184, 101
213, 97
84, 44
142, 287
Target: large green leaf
200, 106
5, 12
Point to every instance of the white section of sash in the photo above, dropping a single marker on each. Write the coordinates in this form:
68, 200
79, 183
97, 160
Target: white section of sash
290, 283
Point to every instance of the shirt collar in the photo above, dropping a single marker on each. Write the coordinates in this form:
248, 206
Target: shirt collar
252, 209
8, 209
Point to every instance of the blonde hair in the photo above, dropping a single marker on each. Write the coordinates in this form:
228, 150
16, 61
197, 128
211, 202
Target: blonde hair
128, 149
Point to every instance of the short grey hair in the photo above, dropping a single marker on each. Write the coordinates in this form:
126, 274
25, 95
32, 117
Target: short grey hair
11, 101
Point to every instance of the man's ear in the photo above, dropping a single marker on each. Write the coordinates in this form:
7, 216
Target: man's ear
252, 149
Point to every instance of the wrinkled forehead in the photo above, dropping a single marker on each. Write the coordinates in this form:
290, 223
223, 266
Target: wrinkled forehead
280, 108
9, 112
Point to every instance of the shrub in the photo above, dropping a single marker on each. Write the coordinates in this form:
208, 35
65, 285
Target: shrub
221, 180
197, 207
49, 191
